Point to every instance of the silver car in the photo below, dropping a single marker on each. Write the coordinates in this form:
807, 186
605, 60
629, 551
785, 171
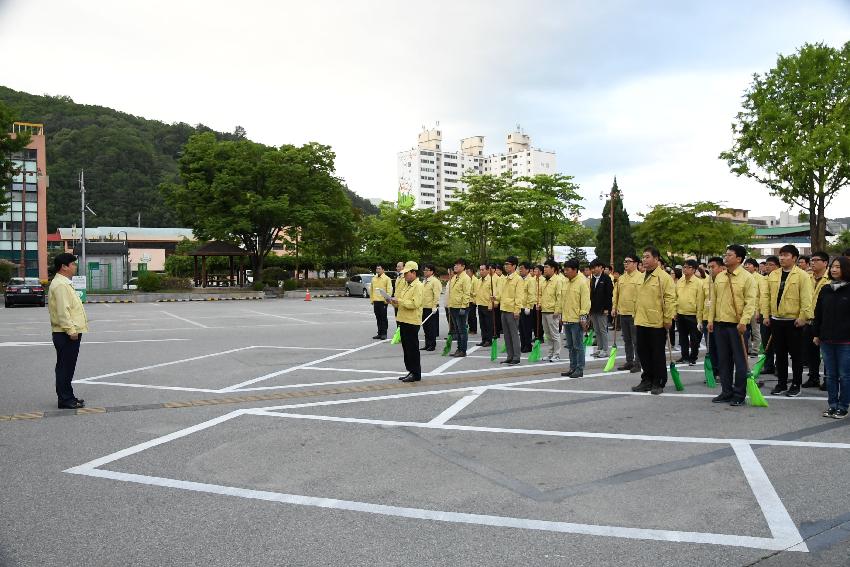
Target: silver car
359, 285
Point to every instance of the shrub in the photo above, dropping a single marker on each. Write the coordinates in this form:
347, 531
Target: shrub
176, 283
273, 275
149, 281
290, 285
5, 272
258, 286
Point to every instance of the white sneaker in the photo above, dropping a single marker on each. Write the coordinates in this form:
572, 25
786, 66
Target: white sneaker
556, 358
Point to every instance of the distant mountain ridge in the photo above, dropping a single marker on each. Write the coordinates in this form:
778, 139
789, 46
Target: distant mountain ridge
125, 158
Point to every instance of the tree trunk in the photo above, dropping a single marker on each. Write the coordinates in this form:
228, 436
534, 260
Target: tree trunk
821, 226
297, 273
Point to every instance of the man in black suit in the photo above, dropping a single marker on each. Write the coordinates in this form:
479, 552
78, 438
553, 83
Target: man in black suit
601, 294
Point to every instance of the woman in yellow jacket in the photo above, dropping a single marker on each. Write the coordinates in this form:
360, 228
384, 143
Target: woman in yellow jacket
409, 318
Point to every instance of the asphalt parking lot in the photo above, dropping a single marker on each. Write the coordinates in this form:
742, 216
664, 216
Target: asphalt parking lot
276, 432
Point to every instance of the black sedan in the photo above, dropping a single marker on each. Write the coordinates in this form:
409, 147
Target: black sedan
24, 291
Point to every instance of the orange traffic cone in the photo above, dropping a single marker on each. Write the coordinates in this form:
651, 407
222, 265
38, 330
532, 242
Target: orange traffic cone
307, 297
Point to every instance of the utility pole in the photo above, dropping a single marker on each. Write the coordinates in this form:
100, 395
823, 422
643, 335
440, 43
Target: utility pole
83, 213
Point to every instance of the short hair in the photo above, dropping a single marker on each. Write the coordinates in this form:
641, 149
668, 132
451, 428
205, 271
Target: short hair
691, 264
526, 265
752, 262
844, 262
429, 267
772, 260
632, 257
378, 266
483, 265
716, 259
596, 262
739, 250
653, 251
512, 260
460, 261
493, 266
821, 255
790, 249
552, 264
572, 263
806, 259
63, 259
846, 253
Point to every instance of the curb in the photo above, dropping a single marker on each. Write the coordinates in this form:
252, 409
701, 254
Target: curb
208, 299
112, 301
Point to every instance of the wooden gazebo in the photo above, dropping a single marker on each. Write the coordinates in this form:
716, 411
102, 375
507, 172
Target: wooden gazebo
214, 248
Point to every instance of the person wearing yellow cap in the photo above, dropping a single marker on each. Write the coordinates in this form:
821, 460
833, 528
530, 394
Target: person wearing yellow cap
408, 302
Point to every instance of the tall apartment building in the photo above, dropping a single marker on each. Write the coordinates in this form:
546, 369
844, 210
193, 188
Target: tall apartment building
23, 227
429, 177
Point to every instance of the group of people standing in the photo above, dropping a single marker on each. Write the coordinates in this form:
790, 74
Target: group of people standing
733, 304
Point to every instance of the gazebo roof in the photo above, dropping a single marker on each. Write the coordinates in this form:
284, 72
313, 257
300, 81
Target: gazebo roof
216, 248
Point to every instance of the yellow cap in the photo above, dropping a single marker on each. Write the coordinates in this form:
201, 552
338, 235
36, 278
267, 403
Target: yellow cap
411, 266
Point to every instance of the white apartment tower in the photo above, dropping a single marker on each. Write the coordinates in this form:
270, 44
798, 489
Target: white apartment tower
430, 176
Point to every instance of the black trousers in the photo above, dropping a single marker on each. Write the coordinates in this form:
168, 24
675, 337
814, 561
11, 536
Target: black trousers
66, 362
673, 333
732, 358
431, 327
812, 353
410, 346
485, 317
380, 309
472, 319
787, 340
689, 337
526, 330
650, 351
769, 352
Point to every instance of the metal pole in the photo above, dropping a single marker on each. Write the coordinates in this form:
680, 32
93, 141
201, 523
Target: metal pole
83, 211
611, 214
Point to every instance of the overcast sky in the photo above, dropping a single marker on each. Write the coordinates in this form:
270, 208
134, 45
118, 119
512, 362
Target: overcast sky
644, 90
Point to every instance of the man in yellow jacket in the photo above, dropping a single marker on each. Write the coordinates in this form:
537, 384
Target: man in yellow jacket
511, 298
625, 296
787, 308
574, 307
735, 298
380, 281
408, 303
689, 297
820, 278
68, 322
655, 307
472, 312
459, 298
431, 290
486, 289
550, 308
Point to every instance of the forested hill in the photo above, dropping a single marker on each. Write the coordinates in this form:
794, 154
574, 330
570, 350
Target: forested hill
125, 158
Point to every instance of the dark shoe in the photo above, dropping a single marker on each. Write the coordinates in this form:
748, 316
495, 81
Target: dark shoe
626, 366
423, 348
431, 349
656, 391
778, 390
644, 386
487, 343
383, 337
577, 374
514, 362
412, 379
568, 373
721, 399
636, 368
408, 375
793, 391
822, 387
377, 337
736, 403
829, 413
692, 363
480, 344
458, 354
812, 383
840, 414
681, 360
508, 361
75, 404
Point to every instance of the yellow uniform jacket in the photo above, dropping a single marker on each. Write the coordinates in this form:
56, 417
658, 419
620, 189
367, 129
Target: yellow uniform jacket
656, 300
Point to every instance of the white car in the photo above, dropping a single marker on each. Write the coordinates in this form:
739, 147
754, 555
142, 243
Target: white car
359, 285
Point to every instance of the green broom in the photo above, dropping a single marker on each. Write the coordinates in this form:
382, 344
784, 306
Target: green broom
754, 395
589, 337
707, 367
449, 338
759, 365
612, 358
534, 355
494, 349
396, 336
674, 372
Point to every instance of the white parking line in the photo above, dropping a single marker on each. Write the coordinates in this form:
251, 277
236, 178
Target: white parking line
185, 320
281, 317
457, 407
450, 363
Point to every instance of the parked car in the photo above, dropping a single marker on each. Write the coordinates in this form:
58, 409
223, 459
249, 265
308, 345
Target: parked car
24, 291
134, 284
359, 285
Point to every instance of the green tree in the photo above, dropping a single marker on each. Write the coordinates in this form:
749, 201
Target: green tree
485, 213
793, 136
841, 243
245, 192
690, 229
9, 144
576, 236
546, 203
381, 238
623, 242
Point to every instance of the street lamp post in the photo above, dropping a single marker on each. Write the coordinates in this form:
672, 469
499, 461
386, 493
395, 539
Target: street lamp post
126, 257
612, 199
